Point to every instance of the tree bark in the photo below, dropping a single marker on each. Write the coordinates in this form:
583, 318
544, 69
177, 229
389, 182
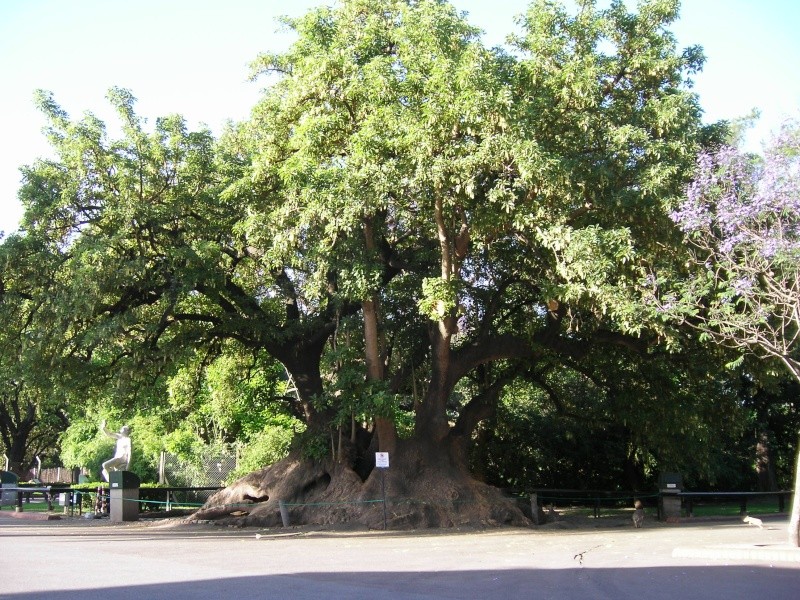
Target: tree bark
794, 521
431, 419
384, 427
765, 470
16, 430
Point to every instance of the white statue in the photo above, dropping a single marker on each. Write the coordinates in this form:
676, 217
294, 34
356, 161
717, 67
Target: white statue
122, 455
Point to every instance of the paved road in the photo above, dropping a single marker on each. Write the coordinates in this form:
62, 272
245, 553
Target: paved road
93, 560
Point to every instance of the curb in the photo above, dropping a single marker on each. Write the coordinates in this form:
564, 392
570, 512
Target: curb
777, 554
30, 516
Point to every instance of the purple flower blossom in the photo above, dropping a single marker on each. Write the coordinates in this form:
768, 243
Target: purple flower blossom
742, 286
739, 203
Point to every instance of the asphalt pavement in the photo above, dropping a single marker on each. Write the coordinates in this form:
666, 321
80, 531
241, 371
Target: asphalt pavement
86, 560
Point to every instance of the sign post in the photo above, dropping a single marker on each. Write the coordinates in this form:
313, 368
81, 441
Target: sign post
382, 463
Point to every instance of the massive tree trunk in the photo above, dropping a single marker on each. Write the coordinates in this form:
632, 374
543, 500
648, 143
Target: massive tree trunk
304, 370
373, 349
431, 414
428, 483
384, 427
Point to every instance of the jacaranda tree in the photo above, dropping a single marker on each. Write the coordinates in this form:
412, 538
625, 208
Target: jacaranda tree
741, 217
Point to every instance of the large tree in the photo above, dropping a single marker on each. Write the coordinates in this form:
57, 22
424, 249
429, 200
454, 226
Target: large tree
742, 219
512, 198
408, 222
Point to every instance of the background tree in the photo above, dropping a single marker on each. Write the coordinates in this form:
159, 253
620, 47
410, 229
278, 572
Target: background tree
229, 403
152, 278
770, 400
742, 220
33, 408
615, 421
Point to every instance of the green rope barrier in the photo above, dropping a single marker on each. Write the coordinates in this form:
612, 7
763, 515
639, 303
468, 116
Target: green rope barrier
544, 497
165, 502
147, 501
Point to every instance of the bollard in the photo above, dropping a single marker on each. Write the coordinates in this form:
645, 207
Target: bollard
99, 502
284, 513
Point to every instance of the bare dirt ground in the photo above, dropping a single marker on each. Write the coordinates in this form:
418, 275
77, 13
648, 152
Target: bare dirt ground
573, 557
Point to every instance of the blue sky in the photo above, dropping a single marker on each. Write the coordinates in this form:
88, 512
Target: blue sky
191, 56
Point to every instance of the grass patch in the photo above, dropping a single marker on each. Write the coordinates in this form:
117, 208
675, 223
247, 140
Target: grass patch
37, 504
733, 508
703, 508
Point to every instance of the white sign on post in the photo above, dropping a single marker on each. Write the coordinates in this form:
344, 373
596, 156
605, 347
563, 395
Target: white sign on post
382, 460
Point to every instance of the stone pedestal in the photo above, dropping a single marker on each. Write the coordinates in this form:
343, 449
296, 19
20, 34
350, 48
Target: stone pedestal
670, 507
123, 496
670, 486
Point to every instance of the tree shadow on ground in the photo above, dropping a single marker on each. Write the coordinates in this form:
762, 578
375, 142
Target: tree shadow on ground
723, 582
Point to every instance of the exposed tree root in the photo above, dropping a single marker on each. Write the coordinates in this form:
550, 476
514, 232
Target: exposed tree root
326, 493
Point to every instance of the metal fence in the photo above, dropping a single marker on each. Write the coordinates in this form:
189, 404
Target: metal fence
54, 475
212, 469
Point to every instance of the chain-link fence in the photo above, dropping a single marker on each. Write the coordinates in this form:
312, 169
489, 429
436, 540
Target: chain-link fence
208, 469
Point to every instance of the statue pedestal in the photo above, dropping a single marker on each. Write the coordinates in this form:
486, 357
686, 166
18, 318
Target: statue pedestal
670, 507
123, 496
